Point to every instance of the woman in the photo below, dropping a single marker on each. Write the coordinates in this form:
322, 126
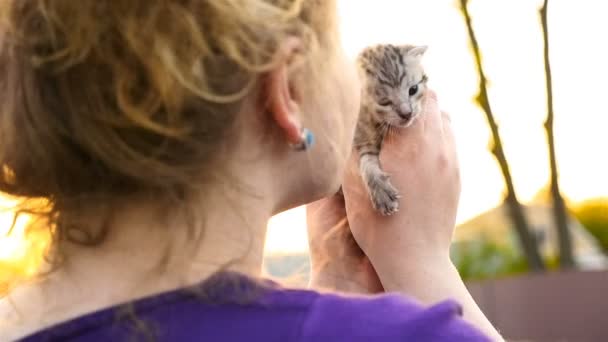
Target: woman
164, 134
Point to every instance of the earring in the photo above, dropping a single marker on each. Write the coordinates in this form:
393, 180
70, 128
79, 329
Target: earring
307, 139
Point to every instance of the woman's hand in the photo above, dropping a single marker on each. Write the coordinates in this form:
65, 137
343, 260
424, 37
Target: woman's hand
337, 262
410, 249
423, 165
422, 162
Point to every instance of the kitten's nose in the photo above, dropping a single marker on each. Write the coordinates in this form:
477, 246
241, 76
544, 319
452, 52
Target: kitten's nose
405, 111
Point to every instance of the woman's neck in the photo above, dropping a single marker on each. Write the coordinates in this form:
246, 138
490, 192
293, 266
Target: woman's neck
146, 253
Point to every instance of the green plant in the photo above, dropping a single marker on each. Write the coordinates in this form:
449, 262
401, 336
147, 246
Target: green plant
483, 258
593, 215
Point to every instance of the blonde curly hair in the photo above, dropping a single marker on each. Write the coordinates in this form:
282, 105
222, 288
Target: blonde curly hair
104, 98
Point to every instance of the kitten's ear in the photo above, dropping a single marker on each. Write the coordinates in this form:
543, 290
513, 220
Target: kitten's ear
417, 51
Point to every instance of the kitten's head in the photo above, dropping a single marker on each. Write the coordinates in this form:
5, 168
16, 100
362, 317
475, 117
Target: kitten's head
393, 82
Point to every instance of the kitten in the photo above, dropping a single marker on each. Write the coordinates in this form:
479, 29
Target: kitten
393, 82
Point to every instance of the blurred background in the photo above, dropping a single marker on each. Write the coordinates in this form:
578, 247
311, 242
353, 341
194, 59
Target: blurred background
521, 228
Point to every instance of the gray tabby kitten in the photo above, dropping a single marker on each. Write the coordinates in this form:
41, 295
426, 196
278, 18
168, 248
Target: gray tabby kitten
393, 84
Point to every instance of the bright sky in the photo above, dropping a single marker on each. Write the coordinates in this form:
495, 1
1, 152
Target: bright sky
511, 41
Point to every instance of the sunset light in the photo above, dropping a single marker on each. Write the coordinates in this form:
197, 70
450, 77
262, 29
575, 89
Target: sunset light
21, 251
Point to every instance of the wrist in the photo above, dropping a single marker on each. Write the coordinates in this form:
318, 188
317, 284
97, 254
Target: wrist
359, 277
408, 275
336, 282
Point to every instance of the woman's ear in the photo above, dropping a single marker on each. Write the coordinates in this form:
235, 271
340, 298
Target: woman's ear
279, 98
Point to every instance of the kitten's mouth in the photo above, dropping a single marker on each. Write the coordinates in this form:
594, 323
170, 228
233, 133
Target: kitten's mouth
407, 121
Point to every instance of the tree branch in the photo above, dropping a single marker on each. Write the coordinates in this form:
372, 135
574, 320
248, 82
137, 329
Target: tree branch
560, 217
526, 239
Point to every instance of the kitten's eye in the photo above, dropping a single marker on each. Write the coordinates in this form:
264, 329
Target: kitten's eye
413, 90
385, 102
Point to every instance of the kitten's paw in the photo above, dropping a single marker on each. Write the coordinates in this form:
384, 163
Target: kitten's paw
385, 198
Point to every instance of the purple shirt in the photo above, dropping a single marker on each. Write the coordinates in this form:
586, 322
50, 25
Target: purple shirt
230, 307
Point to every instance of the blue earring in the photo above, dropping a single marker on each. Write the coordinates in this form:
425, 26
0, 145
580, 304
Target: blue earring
306, 142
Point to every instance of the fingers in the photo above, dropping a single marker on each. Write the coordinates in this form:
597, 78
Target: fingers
447, 126
446, 117
353, 187
432, 116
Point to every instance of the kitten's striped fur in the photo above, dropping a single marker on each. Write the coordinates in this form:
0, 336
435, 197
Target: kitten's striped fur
393, 83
